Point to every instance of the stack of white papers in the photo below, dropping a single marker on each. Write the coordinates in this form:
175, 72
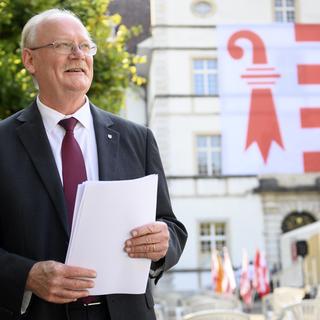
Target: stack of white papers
105, 213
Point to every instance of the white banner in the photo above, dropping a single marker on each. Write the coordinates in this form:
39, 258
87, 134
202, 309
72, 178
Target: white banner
269, 86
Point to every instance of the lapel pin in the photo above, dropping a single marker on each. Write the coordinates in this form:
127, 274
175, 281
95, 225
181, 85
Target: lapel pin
109, 136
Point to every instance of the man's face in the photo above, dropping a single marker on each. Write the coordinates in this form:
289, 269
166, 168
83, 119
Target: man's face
61, 74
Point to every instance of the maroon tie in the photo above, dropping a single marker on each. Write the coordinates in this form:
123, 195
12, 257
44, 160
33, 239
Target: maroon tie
73, 166
73, 173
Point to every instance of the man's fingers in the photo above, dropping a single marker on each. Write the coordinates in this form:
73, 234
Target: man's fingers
57, 269
149, 228
59, 294
148, 234
149, 248
154, 256
156, 238
149, 241
71, 294
66, 296
151, 251
56, 282
77, 272
77, 284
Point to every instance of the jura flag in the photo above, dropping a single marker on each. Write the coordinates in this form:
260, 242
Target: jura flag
269, 86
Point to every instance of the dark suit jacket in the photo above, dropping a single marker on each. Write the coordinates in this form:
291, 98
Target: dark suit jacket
33, 223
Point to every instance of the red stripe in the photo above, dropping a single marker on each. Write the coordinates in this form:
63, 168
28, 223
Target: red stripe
311, 161
309, 73
307, 32
310, 117
260, 76
260, 69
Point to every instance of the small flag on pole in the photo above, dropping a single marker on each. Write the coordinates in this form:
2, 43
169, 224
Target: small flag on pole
229, 281
217, 271
245, 283
261, 274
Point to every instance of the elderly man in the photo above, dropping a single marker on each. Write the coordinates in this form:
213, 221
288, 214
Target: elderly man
47, 149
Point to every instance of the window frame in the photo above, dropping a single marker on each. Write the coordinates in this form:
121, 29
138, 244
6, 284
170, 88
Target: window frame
206, 72
209, 151
213, 238
284, 10
211, 11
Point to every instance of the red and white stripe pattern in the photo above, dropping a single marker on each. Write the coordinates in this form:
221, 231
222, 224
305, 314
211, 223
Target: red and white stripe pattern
309, 74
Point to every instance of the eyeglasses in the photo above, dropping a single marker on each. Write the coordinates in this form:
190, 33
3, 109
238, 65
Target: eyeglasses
68, 47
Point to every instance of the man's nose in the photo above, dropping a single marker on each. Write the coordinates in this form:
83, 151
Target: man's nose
76, 51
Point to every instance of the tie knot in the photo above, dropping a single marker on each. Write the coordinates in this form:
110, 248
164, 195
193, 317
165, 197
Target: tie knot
68, 124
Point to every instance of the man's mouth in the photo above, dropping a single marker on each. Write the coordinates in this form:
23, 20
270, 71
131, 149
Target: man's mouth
75, 70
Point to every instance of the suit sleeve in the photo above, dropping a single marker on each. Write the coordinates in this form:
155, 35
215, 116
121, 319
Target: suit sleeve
177, 231
13, 276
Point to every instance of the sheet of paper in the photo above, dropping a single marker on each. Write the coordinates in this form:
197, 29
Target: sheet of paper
105, 213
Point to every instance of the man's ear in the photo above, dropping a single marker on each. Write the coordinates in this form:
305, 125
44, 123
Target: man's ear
27, 59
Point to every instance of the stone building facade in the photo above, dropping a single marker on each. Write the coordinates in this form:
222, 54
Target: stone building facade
183, 110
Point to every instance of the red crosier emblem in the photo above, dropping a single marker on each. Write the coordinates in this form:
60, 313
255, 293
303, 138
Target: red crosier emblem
263, 126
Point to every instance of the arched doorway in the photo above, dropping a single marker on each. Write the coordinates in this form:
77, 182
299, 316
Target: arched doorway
296, 219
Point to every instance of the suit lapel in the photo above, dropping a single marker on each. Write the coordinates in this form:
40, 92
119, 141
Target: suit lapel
33, 136
107, 144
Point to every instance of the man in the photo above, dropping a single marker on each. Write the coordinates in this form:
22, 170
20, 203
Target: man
37, 184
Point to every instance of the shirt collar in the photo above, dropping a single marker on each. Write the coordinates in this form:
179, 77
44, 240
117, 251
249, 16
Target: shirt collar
52, 117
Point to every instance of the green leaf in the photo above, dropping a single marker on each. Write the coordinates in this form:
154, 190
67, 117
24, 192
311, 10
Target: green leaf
114, 67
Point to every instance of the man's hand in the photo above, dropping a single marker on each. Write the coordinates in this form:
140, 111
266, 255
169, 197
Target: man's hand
149, 241
58, 283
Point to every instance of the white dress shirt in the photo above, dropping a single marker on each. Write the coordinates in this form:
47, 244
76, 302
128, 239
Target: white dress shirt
85, 136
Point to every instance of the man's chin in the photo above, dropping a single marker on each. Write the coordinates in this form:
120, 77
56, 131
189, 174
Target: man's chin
78, 87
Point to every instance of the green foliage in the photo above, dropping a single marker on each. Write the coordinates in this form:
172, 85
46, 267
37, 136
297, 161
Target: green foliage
114, 67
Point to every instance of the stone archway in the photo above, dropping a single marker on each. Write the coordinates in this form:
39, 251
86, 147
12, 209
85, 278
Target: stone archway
296, 219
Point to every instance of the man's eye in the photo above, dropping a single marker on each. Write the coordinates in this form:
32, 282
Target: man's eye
64, 45
85, 46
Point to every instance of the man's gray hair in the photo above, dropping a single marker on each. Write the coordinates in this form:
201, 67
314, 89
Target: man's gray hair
29, 32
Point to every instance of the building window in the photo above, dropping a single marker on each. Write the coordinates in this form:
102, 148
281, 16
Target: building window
297, 219
205, 77
284, 10
213, 235
209, 155
202, 8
